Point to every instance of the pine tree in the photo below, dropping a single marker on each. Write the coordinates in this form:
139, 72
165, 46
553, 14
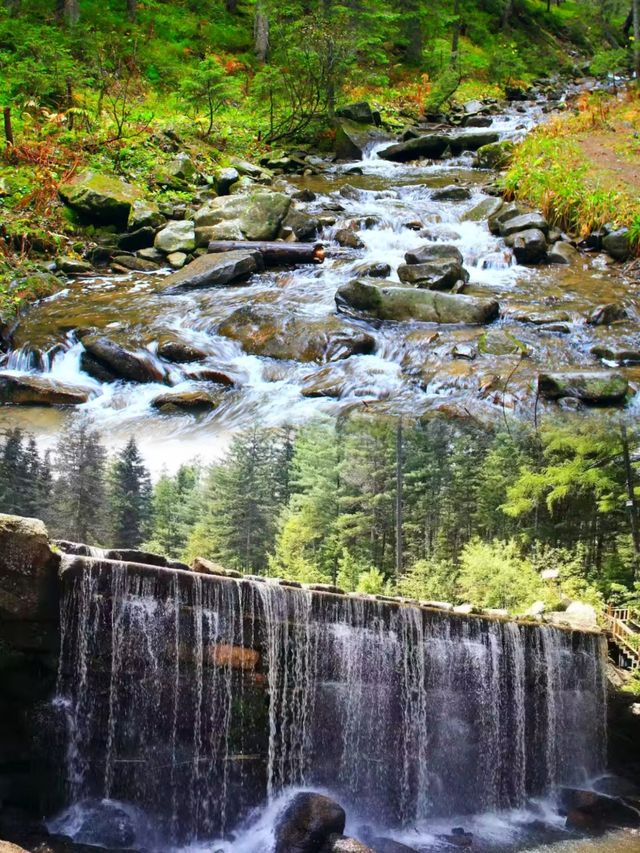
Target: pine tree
174, 510
80, 510
129, 497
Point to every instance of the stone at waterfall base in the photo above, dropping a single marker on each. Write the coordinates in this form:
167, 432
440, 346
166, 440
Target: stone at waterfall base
388, 301
307, 822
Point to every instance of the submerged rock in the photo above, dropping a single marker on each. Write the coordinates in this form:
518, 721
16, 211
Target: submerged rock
30, 390
214, 270
349, 239
101, 198
597, 387
589, 810
392, 302
430, 252
179, 351
307, 823
262, 331
388, 845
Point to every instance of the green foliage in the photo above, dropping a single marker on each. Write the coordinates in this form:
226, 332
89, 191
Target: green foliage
494, 574
206, 89
130, 497
431, 580
613, 61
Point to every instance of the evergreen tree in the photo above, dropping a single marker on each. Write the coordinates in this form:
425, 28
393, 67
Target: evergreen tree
80, 507
175, 509
129, 497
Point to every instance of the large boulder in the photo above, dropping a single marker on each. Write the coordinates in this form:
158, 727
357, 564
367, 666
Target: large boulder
483, 210
144, 214
388, 301
176, 236
100, 198
122, 363
263, 331
589, 810
214, 270
454, 192
189, 400
430, 252
42, 390
432, 146
472, 141
597, 387
307, 822
28, 570
255, 216
353, 139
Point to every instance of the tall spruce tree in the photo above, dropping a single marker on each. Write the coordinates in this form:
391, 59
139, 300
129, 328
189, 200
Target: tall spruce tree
129, 497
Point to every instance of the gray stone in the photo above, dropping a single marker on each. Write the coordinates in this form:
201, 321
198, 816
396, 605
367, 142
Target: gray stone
437, 274
525, 222
428, 253
144, 214
307, 823
347, 238
214, 270
484, 210
73, 266
176, 236
353, 139
100, 198
256, 216
529, 247
182, 167
176, 260
605, 315
136, 264
431, 146
360, 113
562, 253
495, 155
451, 193
225, 179
28, 570
388, 301
617, 244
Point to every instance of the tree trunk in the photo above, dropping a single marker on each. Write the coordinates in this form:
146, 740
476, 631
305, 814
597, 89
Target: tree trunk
8, 128
506, 14
71, 12
455, 38
636, 38
13, 8
231, 6
273, 253
132, 9
413, 33
261, 33
399, 498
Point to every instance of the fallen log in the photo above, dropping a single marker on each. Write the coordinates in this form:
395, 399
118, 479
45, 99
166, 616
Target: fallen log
274, 253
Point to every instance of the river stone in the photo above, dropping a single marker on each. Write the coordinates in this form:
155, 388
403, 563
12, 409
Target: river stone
495, 155
101, 198
484, 210
529, 247
222, 231
617, 244
472, 141
437, 274
304, 226
177, 260
562, 253
122, 363
213, 270
182, 167
307, 823
42, 390
192, 400
360, 112
427, 254
131, 262
263, 331
597, 387
133, 241
353, 139
28, 570
377, 270
506, 213
208, 567
525, 222
347, 238
605, 315
225, 178
257, 216
451, 193
176, 236
179, 351
619, 356
342, 844
500, 342
73, 266
144, 214
388, 301
432, 146
209, 374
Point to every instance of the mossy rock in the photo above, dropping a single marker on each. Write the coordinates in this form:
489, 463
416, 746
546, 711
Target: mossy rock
501, 342
496, 155
100, 198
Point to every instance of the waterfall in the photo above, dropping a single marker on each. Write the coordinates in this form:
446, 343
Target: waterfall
198, 698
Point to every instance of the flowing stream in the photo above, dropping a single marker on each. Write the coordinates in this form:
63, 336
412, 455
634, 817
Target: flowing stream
416, 367
191, 702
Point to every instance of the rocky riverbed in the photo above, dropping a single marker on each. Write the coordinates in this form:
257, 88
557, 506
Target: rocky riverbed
434, 296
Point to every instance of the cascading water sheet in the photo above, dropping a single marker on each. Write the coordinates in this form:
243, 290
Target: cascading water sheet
198, 698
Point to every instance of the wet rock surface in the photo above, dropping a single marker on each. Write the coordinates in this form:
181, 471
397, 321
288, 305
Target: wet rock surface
307, 823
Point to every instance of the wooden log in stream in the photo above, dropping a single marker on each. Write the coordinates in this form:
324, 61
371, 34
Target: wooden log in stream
274, 253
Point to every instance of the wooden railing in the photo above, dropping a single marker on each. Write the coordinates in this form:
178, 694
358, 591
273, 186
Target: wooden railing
623, 624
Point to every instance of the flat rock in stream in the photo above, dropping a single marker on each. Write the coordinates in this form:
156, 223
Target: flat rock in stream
432, 146
192, 400
430, 252
437, 274
261, 330
122, 363
595, 387
214, 270
32, 390
388, 301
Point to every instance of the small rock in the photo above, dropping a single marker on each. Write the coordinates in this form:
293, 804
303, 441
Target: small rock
605, 315
618, 244
73, 266
225, 179
214, 270
135, 240
529, 247
307, 823
207, 567
176, 236
425, 254
196, 400
136, 264
562, 253
484, 210
177, 260
451, 193
524, 222
349, 239
377, 270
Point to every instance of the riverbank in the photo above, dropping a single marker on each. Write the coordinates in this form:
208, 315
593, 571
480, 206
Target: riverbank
581, 169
